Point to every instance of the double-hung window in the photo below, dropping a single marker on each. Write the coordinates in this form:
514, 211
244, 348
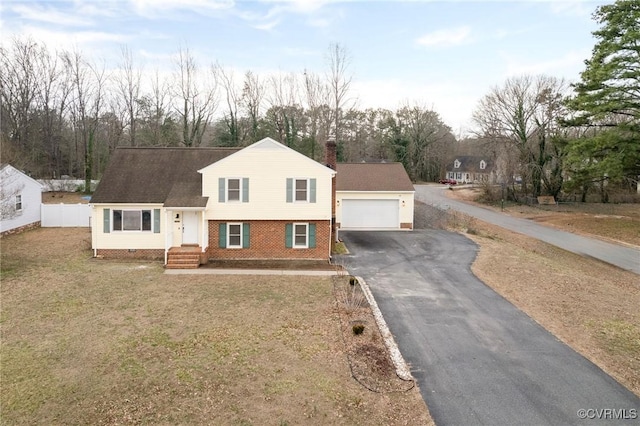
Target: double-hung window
300, 235
233, 190
19, 203
234, 235
301, 190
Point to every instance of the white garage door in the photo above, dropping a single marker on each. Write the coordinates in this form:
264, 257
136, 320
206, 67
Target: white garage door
370, 214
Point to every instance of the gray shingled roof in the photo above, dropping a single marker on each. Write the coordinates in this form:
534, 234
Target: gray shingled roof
470, 163
372, 177
157, 175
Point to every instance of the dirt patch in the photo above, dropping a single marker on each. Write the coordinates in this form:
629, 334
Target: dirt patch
310, 265
107, 342
57, 197
368, 357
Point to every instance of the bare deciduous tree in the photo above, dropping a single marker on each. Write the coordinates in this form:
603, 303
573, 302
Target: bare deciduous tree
339, 83
283, 99
127, 83
86, 106
233, 97
196, 94
522, 115
252, 96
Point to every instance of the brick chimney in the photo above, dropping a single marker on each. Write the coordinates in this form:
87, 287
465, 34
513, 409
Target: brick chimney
330, 159
330, 154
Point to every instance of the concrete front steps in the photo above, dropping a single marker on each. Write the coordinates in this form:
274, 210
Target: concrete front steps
185, 257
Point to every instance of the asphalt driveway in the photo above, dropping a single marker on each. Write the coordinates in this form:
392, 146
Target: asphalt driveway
477, 358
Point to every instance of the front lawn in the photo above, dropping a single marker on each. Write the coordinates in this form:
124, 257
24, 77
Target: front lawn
88, 341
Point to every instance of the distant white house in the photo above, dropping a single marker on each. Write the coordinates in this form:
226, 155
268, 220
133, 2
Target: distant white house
20, 200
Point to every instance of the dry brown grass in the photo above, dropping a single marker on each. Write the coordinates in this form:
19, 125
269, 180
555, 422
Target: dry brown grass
617, 222
88, 341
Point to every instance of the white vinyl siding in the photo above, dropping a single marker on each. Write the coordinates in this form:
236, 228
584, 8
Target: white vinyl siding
105, 237
269, 168
22, 210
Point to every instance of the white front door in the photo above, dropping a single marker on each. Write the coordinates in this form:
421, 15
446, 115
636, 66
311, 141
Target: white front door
190, 227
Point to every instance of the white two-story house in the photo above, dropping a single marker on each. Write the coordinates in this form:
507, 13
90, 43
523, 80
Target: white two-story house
265, 201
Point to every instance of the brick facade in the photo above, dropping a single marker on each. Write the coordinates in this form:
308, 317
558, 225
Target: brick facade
146, 254
267, 241
406, 226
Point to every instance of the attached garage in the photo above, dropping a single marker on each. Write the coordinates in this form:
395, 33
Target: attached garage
370, 214
373, 196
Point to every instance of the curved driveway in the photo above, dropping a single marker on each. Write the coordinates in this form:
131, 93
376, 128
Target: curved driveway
624, 257
478, 359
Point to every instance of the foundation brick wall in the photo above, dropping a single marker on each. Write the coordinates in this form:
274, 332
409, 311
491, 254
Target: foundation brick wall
20, 229
406, 226
145, 254
267, 241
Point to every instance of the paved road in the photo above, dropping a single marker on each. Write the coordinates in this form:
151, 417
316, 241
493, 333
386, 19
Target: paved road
478, 359
624, 257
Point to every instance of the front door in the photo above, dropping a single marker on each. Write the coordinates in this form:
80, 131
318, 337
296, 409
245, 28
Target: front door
190, 227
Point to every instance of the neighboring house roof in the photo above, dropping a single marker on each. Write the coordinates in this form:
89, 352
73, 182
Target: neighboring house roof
372, 177
157, 175
470, 163
7, 168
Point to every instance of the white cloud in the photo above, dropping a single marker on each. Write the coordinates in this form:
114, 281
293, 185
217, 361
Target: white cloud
573, 7
69, 39
447, 37
50, 16
568, 66
156, 8
300, 6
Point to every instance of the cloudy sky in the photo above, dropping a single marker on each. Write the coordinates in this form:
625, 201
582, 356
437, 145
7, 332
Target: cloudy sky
444, 55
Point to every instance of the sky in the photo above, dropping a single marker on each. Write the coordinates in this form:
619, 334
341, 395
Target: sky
442, 55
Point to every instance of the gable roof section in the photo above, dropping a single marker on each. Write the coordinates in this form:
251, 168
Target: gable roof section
372, 177
470, 163
7, 170
268, 145
157, 175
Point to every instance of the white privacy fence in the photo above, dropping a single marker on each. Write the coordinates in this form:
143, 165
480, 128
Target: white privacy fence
65, 215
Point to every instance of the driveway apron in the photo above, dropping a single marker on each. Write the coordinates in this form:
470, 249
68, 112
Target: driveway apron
478, 359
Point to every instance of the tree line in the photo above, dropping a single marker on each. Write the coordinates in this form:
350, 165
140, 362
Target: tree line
63, 113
